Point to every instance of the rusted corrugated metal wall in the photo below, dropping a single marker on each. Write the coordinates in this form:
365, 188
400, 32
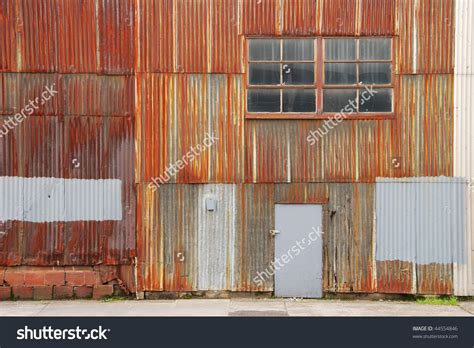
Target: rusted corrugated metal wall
179, 66
85, 131
178, 101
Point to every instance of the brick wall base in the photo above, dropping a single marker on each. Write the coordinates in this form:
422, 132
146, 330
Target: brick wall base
65, 282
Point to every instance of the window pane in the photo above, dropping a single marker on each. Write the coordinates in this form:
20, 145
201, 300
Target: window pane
264, 50
335, 100
375, 73
263, 100
340, 73
298, 50
375, 49
264, 74
298, 74
299, 100
378, 101
340, 49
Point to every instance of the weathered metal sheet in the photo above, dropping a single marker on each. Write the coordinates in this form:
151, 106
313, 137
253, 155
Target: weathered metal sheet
396, 277
302, 193
349, 239
177, 113
255, 246
378, 17
9, 94
105, 95
300, 17
8, 34
422, 221
339, 17
156, 36
464, 133
37, 35
278, 151
77, 36
434, 279
81, 148
56, 199
425, 125
216, 236
261, 17
426, 42
226, 45
116, 36
192, 36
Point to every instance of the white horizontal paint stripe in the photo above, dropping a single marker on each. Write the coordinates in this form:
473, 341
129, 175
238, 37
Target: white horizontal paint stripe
56, 199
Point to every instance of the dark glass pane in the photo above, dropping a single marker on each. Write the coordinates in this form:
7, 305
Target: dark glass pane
264, 74
264, 49
298, 49
340, 73
377, 100
299, 100
375, 49
263, 100
298, 74
375, 73
340, 49
335, 100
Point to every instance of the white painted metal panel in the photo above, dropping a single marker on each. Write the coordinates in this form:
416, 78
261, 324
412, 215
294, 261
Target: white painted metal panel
57, 199
464, 131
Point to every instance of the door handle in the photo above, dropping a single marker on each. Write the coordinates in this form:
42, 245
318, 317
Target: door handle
274, 232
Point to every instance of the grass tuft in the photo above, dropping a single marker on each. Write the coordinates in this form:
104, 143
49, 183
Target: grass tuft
442, 300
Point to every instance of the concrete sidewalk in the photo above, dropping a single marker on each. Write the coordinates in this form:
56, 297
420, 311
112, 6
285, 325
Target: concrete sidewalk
232, 307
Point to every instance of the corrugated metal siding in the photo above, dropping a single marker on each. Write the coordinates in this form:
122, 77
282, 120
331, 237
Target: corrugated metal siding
339, 17
302, 193
226, 44
77, 36
464, 131
396, 277
426, 42
421, 221
37, 35
8, 36
261, 17
116, 36
378, 17
255, 246
176, 112
192, 36
105, 95
425, 125
9, 94
349, 239
278, 151
155, 35
83, 148
300, 17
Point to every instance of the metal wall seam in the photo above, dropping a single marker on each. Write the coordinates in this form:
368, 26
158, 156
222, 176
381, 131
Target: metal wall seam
464, 132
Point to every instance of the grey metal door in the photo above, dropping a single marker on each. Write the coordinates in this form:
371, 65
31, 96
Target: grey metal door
298, 250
